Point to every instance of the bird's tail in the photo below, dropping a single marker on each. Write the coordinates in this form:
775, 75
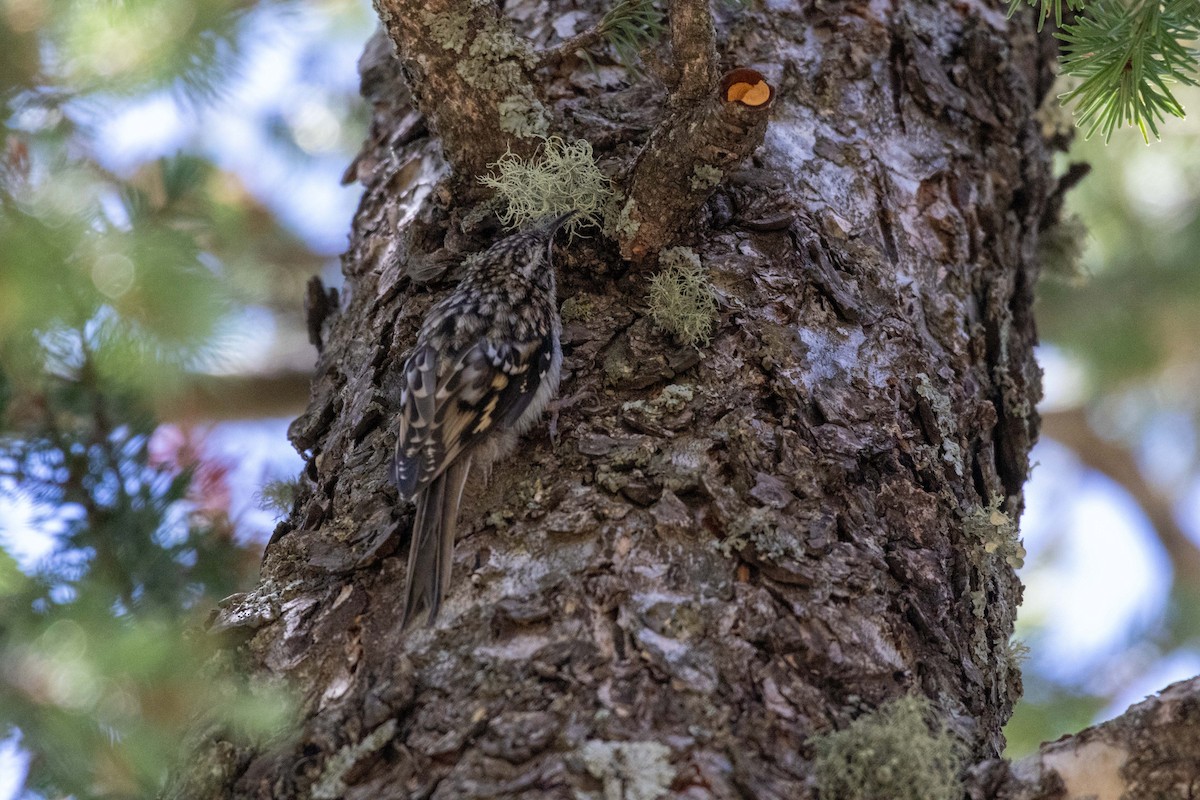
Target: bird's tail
431, 551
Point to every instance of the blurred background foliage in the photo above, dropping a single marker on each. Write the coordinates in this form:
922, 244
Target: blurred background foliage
170, 178
153, 253
1112, 607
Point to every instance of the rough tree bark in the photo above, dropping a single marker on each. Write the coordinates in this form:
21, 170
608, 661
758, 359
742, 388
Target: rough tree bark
729, 549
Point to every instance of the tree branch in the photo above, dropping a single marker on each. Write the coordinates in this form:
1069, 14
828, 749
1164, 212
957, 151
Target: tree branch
707, 130
1149, 751
568, 47
1072, 429
224, 397
470, 75
694, 45
690, 153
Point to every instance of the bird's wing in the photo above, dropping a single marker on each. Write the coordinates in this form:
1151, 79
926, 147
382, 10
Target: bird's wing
416, 446
447, 406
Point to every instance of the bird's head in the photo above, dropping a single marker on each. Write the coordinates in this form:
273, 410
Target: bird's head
534, 246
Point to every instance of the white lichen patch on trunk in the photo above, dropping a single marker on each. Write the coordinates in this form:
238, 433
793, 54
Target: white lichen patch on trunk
629, 770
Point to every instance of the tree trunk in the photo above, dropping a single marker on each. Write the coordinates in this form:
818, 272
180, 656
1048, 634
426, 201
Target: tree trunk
729, 549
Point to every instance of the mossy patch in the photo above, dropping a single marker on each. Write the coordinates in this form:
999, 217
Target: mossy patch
681, 298
671, 400
759, 528
994, 548
899, 752
625, 465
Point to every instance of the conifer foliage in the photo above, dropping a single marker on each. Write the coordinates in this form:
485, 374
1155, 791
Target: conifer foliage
1121, 59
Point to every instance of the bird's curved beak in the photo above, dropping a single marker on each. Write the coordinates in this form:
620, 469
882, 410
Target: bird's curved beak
553, 225
551, 228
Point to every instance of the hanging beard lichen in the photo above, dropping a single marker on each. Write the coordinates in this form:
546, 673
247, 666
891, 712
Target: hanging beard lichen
563, 178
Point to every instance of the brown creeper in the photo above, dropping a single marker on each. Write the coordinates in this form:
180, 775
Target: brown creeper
486, 363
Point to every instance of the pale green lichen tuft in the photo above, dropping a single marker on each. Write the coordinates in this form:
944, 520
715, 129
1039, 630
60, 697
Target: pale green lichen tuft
940, 404
382, 11
496, 58
619, 223
577, 308
1016, 653
277, 495
448, 29
893, 752
523, 116
332, 783
996, 533
705, 177
564, 177
630, 770
672, 399
681, 298
1060, 249
1010, 658
759, 528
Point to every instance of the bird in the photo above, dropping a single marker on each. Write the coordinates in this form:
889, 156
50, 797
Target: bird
486, 363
